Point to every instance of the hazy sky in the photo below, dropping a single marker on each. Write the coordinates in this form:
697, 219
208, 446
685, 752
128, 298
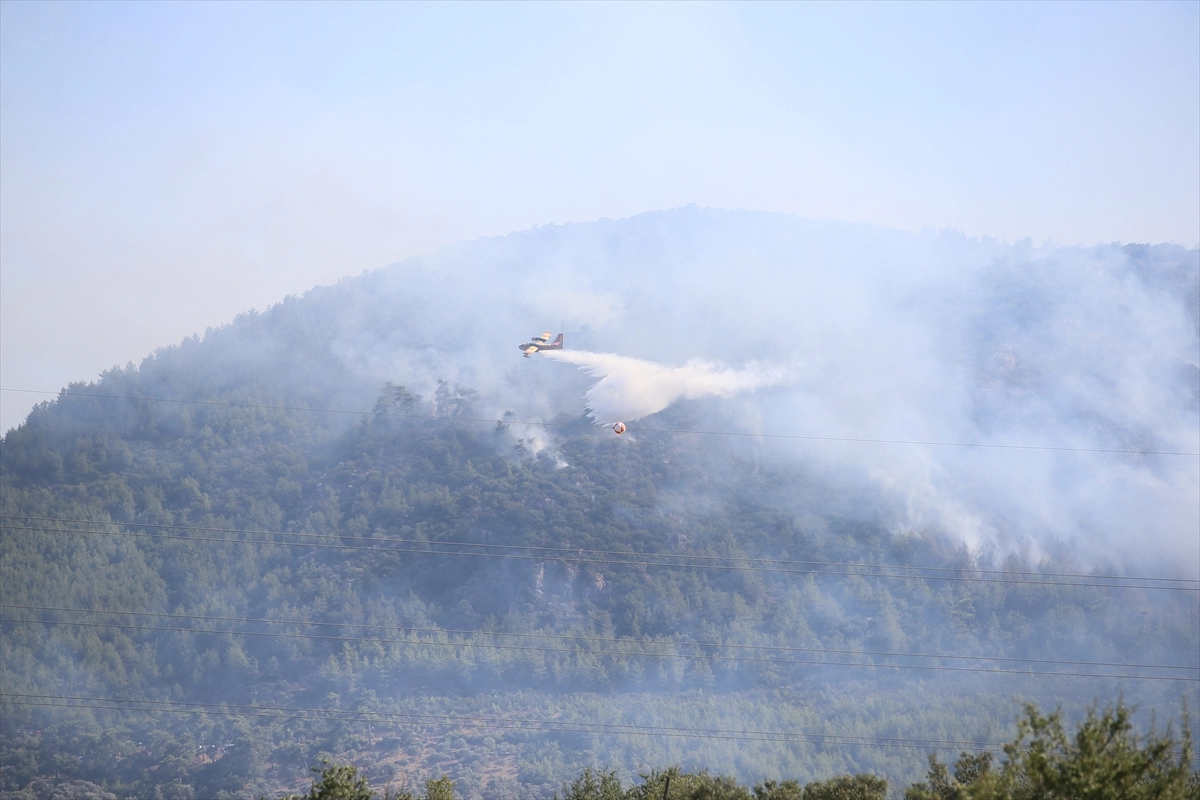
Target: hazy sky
164, 166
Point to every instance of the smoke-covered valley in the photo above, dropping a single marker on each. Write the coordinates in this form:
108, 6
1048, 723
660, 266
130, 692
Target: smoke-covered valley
804, 399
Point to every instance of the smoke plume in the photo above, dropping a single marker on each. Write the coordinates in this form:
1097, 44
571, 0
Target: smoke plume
1088, 357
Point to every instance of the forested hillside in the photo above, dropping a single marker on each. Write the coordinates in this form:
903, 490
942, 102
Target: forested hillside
317, 533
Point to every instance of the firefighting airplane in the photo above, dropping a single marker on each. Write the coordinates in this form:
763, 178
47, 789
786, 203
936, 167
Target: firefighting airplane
542, 343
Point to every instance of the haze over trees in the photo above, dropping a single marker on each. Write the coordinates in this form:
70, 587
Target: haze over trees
212, 582
1104, 759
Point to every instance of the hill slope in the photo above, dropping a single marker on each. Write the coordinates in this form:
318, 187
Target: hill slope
445, 574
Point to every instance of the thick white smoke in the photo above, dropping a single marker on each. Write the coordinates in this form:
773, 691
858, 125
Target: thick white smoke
887, 335
631, 388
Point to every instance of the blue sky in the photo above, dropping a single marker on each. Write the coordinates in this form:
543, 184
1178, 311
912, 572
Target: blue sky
164, 166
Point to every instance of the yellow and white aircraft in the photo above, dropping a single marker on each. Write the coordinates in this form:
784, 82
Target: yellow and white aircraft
542, 343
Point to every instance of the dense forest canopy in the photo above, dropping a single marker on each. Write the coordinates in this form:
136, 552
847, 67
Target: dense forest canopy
358, 526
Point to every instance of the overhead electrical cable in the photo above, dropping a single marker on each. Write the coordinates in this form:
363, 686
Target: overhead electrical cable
502, 723
522, 723
590, 551
584, 652
540, 423
505, 551
636, 559
578, 638
335, 715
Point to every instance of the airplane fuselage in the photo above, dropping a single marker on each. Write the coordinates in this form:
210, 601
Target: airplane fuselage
540, 343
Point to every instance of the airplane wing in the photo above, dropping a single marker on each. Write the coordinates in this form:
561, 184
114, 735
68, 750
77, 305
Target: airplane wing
545, 337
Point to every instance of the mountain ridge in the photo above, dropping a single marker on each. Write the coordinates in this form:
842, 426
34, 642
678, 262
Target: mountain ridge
174, 491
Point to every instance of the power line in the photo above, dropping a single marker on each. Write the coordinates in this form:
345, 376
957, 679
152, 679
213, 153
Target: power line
572, 637
445, 720
334, 715
540, 423
525, 723
620, 653
577, 560
590, 551
376, 548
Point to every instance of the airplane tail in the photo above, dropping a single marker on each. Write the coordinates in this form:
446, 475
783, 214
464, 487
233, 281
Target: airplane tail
557, 344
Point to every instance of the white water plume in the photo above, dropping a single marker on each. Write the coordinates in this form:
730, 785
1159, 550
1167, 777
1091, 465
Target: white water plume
632, 388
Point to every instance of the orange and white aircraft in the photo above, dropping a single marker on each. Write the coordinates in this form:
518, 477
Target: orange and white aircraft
542, 343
